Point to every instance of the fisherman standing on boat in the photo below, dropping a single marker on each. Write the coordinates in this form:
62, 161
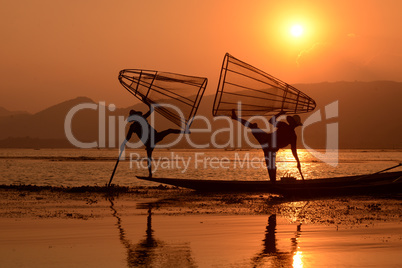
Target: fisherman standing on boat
147, 134
272, 142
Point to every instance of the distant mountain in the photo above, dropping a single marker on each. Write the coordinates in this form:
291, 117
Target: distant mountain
5, 112
47, 124
32, 130
370, 113
369, 116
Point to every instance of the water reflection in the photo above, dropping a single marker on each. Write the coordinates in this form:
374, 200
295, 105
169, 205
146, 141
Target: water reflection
271, 254
151, 252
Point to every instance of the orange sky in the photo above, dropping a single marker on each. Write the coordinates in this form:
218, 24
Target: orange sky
52, 51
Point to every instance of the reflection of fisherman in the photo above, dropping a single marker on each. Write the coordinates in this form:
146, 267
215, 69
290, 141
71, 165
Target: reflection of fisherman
270, 241
270, 251
143, 253
147, 134
282, 137
150, 251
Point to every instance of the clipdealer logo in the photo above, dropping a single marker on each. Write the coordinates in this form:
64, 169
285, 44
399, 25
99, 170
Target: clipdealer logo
109, 138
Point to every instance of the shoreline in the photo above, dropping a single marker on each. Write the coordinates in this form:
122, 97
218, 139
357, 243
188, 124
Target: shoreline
85, 202
172, 227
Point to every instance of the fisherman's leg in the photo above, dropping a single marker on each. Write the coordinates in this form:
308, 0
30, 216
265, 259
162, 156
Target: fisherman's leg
149, 160
161, 135
270, 158
272, 175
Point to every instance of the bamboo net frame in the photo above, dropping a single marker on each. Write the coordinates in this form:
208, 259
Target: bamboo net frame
181, 91
258, 92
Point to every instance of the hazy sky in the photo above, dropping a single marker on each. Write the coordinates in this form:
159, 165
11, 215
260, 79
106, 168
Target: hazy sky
54, 50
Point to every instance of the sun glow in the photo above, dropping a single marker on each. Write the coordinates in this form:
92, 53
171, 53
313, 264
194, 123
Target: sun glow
291, 30
298, 260
296, 30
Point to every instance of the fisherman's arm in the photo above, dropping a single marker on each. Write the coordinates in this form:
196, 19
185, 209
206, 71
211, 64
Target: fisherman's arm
273, 120
294, 152
149, 112
243, 121
151, 108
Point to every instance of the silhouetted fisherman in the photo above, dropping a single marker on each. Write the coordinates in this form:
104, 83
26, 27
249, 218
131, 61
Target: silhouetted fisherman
272, 142
147, 134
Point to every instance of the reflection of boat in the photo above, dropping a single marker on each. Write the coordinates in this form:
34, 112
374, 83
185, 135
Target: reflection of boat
389, 182
270, 251
151, 252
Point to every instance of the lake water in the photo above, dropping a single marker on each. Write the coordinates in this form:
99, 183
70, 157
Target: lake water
195, 241
185, 229
77, 167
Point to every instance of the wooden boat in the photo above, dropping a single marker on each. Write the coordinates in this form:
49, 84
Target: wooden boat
383, 183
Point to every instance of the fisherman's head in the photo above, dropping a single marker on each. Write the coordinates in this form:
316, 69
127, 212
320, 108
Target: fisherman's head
294, 121
132, 115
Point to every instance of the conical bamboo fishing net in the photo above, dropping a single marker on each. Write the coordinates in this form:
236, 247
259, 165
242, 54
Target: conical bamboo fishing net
258, 92
183, 93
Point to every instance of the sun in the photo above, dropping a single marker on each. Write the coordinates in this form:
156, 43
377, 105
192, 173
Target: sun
296, 30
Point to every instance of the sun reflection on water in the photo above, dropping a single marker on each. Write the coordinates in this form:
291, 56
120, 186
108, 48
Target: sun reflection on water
297, 259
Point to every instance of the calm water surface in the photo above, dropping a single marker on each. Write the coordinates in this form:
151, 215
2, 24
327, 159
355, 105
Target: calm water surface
77, 167
142, 237
195, 241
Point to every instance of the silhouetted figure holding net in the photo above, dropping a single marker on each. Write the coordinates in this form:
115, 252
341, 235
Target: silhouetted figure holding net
272, 142
147, 134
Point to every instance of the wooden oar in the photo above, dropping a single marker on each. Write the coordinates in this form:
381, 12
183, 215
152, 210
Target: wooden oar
365, 176
114, 170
